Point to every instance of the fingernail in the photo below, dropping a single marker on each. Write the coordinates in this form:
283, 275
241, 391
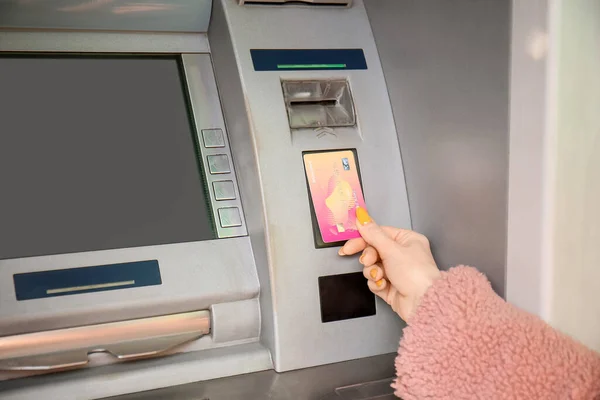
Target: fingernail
379, 282
361, 258
373, 274
362, 216
341, 252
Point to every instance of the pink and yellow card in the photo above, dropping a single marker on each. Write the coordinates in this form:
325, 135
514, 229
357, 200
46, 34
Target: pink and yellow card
336, 192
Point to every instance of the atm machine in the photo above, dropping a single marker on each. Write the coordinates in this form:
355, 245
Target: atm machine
157, 225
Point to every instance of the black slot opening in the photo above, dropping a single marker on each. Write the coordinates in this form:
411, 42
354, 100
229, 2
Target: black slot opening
324, 103
345, 296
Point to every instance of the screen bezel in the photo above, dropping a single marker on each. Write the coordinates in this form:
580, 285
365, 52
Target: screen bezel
187, 269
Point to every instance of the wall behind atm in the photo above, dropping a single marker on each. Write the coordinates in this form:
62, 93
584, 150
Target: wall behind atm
575, 305
446, 64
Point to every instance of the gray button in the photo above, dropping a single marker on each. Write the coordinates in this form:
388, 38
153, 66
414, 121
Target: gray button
230, 217
218, 164
213, 138
224, 190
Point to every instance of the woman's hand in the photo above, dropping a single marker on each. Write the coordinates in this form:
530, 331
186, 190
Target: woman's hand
398, 263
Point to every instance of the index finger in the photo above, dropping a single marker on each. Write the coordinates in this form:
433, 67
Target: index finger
353, 246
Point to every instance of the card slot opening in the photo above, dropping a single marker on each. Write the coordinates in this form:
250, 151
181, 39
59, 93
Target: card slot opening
323, 103
318, 239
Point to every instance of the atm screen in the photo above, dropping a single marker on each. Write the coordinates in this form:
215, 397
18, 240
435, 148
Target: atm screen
97, 153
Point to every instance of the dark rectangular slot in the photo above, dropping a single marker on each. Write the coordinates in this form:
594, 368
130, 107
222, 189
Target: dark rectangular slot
324, 103
65, 282
344, 297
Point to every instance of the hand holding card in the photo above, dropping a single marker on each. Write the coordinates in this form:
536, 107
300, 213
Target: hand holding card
335, 192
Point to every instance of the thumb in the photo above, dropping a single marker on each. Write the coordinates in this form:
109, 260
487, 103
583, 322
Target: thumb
372, 233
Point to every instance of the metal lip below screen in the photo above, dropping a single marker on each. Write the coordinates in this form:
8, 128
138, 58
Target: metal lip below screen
126, 340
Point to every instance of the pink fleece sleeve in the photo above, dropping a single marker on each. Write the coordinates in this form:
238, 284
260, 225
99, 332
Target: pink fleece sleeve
465, 342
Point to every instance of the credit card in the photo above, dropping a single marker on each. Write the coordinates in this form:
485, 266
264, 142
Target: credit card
335, 192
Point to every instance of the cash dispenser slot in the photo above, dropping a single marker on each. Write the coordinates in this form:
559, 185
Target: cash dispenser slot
125, 340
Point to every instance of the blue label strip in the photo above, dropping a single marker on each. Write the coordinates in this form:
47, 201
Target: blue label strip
66, 282
308, 60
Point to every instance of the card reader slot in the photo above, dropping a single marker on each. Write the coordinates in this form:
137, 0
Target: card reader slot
317, 102
125, 340
318, 238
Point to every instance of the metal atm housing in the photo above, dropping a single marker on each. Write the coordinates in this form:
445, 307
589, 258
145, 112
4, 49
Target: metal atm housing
219, 237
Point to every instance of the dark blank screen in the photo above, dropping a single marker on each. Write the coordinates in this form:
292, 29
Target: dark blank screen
96, 153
